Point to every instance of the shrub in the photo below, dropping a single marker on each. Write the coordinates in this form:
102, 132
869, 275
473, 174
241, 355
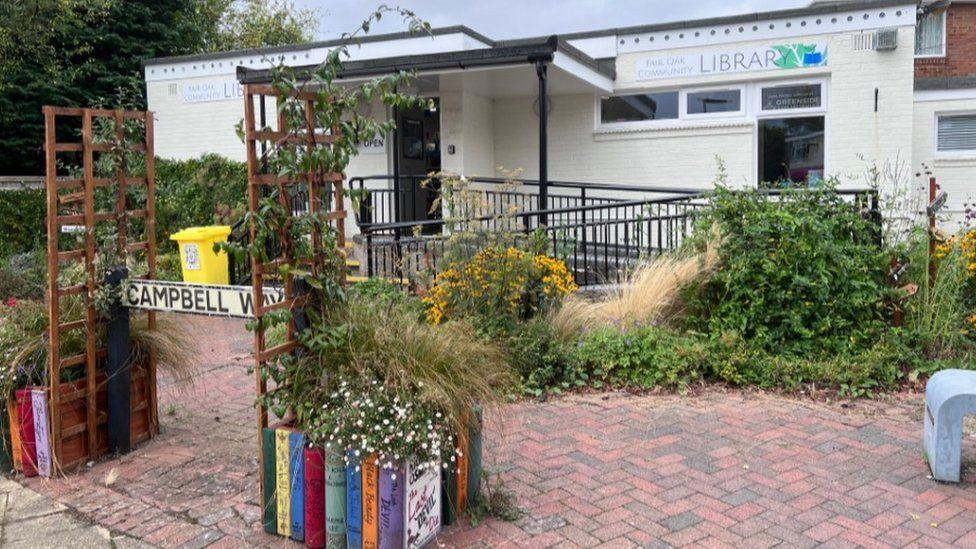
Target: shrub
543, 360
200, 191
24, 275
642, 357
22, 215
498, 287
800, 273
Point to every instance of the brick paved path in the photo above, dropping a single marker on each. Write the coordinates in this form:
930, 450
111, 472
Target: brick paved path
718, 469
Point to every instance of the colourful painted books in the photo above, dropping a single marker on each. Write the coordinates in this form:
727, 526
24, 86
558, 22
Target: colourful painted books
270, 498
282, 481
391, 508
296, 483
42, 445
25, 412
314, 497
354, 503
335, 500
423, 506
370, 489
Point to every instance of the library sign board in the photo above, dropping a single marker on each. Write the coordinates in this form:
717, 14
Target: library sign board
200, 299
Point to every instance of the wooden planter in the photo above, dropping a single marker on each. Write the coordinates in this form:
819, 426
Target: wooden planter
74, 416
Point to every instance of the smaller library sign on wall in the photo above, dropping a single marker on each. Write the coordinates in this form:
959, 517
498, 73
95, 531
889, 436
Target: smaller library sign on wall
201, 299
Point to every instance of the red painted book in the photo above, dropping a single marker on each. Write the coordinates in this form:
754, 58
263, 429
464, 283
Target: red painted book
314, 497
28, 449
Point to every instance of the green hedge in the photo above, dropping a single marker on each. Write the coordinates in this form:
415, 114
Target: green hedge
201, 191
22, 221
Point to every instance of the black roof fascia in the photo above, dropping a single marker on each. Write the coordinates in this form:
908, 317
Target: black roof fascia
454, 29
522, 53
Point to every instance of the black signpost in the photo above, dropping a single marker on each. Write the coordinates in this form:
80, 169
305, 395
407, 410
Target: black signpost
118, 370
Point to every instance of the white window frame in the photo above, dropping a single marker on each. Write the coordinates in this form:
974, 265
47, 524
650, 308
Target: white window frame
943, 14
957, 154
634, 124
760, 114
683, 113
788, 113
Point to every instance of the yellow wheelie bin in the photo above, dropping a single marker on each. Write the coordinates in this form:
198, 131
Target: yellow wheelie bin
197, 258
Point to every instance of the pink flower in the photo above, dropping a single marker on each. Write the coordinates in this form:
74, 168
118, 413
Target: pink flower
11, 302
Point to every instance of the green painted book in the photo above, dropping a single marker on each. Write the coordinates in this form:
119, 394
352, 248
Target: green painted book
269, 503
335, 500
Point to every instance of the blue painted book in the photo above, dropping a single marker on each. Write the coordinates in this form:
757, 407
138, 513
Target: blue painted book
354, 504
391, 508
296, 453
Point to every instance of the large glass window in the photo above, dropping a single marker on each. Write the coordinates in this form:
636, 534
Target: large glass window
792, 96
791, 151
930, 34
714, 101
956, 133
635, 108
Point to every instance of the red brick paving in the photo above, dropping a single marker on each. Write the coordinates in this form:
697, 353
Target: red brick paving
722, 469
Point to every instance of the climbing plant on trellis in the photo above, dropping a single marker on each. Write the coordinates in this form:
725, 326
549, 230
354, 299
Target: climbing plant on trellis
93, 170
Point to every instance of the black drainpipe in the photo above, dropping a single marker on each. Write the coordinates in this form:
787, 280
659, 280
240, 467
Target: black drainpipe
540, 70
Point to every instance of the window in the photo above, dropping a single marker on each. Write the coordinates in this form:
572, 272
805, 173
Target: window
791, 151
635, 108
930, 35
793, 96
956, 133
704, 102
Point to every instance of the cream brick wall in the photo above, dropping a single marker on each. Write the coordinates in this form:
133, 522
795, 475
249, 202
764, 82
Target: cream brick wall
955, 174
684, 153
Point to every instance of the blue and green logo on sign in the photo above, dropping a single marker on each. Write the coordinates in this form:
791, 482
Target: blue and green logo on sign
795, 56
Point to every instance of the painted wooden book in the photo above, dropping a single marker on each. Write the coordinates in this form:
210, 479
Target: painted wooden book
16, 452
370, 487
270, 503
335, 500
462, 472
6, 458
314, 497
474, 456
296, 482
41, 439
28, 450
391, 505
282, 480
354, 503
449, 512
422, 511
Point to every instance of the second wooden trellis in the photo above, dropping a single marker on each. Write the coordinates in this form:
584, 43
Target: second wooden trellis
78, 408
324, 192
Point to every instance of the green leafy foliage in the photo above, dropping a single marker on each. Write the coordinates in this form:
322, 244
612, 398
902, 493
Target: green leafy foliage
800, 273
201, 191
22, 214
642, 357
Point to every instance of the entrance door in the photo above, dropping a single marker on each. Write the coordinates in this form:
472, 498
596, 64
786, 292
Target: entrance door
419, 151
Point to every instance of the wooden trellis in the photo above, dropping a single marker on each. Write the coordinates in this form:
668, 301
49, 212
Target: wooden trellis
77, 408
325, 197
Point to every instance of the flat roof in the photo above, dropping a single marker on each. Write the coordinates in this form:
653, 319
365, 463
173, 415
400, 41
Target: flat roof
525, 51
816, 9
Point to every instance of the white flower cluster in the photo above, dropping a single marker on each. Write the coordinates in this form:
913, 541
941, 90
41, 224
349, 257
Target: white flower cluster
366, 420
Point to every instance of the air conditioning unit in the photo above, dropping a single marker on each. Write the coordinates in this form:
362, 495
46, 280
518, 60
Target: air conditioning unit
886, 39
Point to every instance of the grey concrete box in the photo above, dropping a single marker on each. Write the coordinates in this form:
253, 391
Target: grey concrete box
949, 396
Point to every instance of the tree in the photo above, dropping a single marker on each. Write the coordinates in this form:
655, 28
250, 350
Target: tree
78, 53
241, 24
90, 52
